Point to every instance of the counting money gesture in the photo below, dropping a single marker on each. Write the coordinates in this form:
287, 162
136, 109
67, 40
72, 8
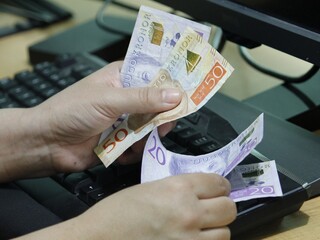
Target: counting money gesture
190, 206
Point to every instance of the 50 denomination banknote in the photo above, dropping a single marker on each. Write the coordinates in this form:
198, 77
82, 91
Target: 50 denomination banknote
155, 35
194, 67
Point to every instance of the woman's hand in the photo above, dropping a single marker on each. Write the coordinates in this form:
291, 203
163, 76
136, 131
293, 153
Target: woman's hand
60, 134
190, 206
75, 117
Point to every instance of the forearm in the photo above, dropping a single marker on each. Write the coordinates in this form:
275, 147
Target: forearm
70, 230
23, 153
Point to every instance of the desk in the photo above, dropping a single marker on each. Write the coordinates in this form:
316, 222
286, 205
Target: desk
304, 224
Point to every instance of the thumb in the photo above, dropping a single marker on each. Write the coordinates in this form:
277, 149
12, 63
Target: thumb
144, 100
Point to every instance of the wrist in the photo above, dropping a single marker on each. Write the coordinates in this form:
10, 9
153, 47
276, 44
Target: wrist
23, 150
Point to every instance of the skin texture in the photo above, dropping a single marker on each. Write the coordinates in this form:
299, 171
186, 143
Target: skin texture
59, 136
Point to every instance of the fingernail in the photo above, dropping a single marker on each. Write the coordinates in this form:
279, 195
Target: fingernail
171, 95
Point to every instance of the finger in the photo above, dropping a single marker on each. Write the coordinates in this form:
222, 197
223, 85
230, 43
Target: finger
217, 212
216, 233
208, 185
110, 74
142, 100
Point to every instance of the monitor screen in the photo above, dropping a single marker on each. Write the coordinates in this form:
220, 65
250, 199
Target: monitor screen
291, 26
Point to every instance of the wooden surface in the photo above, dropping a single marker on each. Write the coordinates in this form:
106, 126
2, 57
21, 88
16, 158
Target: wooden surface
304, 224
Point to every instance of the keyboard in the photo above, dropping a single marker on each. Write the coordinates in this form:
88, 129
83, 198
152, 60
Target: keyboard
199, 133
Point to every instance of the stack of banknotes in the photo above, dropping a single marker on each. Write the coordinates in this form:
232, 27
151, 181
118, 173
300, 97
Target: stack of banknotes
170, 51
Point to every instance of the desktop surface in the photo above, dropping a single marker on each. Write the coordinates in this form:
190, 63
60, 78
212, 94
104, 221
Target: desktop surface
303, 223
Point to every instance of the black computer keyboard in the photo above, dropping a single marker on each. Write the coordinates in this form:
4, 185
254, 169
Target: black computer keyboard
199, 133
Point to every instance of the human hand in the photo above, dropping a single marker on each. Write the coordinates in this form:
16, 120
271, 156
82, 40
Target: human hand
190, 206
74, 118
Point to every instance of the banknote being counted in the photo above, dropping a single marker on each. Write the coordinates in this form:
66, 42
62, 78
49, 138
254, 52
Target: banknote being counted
256, 180
196, 69
159, 163
248, 181
154, 36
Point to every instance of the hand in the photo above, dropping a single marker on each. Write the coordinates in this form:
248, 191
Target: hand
74, 118
190, 206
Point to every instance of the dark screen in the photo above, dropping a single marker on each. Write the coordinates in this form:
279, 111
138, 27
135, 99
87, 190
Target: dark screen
291, 26
305, 14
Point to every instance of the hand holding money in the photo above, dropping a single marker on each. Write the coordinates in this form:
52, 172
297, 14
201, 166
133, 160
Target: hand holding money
248, 181
194, 67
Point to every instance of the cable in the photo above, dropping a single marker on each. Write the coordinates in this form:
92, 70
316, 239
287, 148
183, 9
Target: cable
125, 6
103, 25
248, 58
101, 21
288, 81
302, 96
219, 40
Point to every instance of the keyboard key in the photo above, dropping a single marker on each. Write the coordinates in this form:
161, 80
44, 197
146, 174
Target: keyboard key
167, 142
92, 193
25, 76
210, 147
44, 89
194, 117
102, 175
186, 136
7, 102
97, 195
19, 92
196, 144
64, 60
39, 67
75, 181
7, 83
66, 82
80, 71
178, 149
33, 101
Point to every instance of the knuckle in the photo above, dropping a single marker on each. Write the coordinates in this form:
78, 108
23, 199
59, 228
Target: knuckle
231, 208
180, 184
225, 233
190, 218
224, 184
144, 96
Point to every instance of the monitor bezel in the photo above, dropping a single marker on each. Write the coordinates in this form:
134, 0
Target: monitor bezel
256, 26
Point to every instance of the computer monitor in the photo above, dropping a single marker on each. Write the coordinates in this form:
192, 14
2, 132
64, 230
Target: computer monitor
291, 26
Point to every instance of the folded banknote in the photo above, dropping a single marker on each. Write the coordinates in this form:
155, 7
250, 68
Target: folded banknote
154, 36
194, 67
159, 163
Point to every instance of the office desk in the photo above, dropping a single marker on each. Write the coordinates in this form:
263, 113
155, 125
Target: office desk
304, 224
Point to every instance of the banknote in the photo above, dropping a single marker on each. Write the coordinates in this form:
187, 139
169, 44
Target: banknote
256, 180
154, 36
196, 69
159, 163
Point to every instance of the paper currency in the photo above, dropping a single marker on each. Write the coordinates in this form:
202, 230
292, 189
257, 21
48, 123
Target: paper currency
194, 67
257, 180
159, 163
154, 36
